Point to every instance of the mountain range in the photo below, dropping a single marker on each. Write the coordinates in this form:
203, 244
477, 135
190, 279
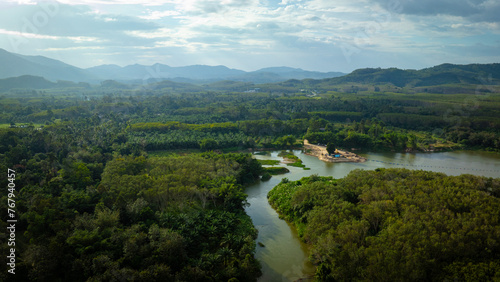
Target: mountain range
14, 65
37, 72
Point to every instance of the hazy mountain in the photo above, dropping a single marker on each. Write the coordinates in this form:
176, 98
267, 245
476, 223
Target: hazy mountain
160, 71
258, 77
296, 73
17, 65
109, 71
27, 82
277, 74
14, 65
204, 74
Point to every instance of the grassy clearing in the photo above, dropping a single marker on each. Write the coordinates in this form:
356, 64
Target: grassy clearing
168, 153
292, 159
269, 162
7, 125
276, 170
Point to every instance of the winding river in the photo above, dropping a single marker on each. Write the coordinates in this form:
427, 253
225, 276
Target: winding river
284, 256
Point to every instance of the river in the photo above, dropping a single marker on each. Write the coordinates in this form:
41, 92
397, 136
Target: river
284, 256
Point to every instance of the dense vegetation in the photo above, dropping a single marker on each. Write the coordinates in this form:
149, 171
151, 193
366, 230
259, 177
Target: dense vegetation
396, 225
167, 120
149, 219
87, 212
117, 181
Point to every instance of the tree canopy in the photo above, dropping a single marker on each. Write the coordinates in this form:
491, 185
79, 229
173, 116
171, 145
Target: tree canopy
396, 225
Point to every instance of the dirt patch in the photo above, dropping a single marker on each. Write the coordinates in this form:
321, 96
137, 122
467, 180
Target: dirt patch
321, 153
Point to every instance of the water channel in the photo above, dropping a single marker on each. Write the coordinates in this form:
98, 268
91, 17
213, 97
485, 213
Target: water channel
284, 256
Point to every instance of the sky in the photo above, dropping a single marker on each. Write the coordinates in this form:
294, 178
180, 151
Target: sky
317, 35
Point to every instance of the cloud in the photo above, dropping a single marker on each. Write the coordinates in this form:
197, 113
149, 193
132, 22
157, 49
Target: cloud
156, 15
478, 50
78, 48
17, 2
254, 33
207, 7
112, 2
69, 20
474, 10
27, 35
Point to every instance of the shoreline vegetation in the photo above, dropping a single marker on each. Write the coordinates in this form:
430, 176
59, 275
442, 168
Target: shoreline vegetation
292, 160
365, 225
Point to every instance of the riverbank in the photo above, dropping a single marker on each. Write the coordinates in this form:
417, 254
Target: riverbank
321, 153
285, 257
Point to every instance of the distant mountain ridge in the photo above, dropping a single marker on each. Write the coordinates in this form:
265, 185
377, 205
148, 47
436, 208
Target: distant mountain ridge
14, 65
37, 72
161, 71
205, 74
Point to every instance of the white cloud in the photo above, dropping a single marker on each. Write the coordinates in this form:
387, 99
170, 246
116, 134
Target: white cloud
159, 33
78, 48
28, 35
21, 2
75, 39
156, 15
81, 39
266, 44
115, 2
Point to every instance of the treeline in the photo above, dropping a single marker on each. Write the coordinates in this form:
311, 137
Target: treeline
173, 125
369, 135
190, 140
396, 225
262, 127
414, 121
268, 133
179, 140
337, 115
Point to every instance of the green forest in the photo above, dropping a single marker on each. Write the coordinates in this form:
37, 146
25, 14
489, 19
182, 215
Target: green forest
148, 184
144, 219
396, 225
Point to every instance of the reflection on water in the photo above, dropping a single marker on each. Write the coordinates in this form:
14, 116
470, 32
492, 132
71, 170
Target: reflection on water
284, 257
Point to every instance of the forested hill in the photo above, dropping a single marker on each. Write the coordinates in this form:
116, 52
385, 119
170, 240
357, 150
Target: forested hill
36, 82
25, 81
438, 75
